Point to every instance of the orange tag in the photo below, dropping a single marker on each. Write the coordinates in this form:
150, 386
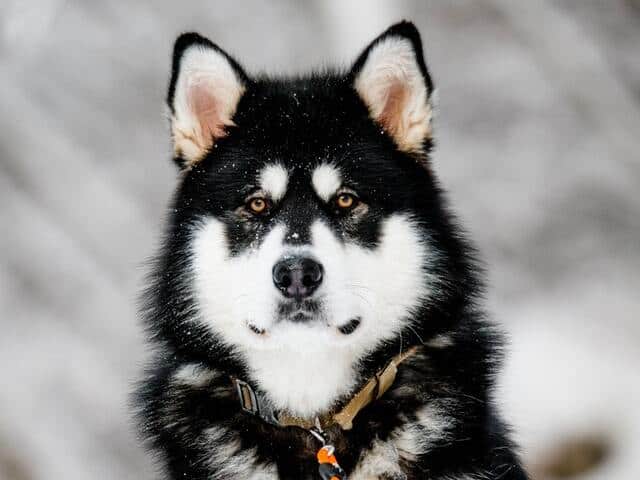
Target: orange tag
328, 467
325, 455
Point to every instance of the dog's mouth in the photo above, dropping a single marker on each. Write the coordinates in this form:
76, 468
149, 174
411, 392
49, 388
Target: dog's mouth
304, 317
307, 311
290, 310
300, 316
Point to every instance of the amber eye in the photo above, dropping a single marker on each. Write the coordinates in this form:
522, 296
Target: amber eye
257, 205
345, 201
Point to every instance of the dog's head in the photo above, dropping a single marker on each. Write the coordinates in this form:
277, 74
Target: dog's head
307, 218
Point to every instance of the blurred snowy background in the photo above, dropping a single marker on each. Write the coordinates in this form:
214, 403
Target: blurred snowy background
539, 144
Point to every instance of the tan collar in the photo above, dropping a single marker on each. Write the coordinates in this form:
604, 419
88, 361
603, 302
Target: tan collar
256, 404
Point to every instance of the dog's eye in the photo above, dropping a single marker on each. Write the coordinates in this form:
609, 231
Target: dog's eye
346, 201
258, 205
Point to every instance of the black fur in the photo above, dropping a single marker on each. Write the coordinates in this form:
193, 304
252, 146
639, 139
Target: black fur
300, 122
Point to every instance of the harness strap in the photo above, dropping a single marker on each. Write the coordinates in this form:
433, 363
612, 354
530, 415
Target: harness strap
372, 390
256, 404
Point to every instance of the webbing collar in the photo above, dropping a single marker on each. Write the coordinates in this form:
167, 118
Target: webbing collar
257, 404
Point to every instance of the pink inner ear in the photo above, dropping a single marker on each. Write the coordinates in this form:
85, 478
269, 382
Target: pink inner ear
391, 116
207, 110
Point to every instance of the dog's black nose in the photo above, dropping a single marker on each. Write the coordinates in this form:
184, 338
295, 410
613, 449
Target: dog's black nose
297, 277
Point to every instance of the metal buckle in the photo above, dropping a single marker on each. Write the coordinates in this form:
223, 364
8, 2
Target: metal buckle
248, 400
318, 433
251, 403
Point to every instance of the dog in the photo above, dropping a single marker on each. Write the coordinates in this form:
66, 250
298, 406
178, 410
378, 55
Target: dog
314, 308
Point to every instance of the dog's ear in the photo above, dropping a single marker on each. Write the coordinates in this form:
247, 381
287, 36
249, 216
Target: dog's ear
206, 86
392, 79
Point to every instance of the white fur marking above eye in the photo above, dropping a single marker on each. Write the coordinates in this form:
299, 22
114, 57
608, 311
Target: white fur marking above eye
273, 180
326, 181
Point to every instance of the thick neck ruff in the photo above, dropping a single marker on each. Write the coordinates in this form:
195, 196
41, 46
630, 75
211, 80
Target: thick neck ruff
258, 405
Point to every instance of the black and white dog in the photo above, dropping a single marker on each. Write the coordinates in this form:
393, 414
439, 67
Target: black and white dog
313, 287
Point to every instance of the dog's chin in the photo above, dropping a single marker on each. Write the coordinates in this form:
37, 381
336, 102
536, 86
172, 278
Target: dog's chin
304, 331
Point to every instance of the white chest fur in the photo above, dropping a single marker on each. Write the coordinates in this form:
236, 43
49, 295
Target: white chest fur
303, 383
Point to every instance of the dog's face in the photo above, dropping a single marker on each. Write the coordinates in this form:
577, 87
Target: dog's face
306, 207
308, 255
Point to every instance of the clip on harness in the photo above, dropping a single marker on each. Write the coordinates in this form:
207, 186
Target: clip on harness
328, 466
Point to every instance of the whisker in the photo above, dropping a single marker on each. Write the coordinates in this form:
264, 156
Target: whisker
416, 333
360, 287
364, 299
